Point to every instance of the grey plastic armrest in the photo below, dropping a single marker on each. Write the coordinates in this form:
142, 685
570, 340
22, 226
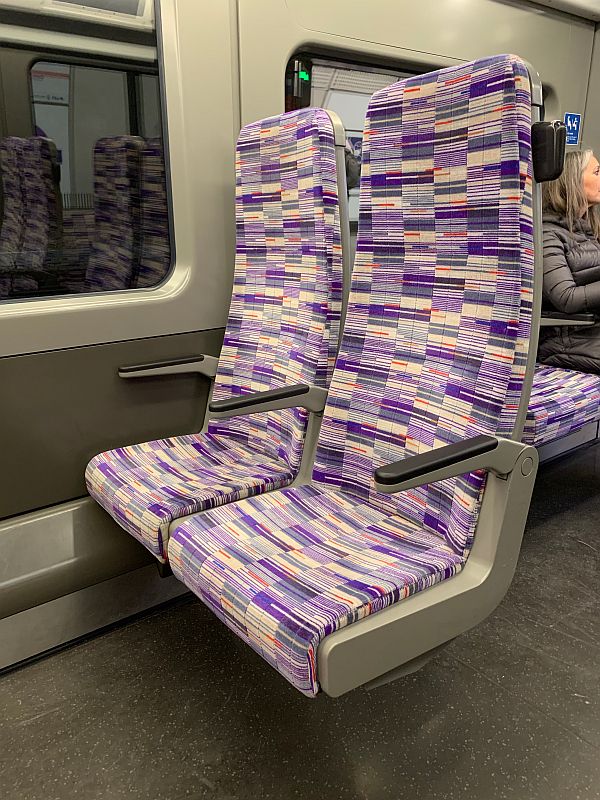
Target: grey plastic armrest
300, 395
558, 319
200, 365
480, 452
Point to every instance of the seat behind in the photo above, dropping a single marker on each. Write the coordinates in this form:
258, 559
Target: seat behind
11, 231
284, 317
41, 245
114, 258
155, 248
437, 333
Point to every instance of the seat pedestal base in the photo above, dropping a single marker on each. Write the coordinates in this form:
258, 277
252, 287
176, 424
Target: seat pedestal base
406, 669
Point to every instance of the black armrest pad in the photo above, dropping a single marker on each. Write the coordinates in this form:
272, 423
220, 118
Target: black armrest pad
420, 465
560, 315
245, 400
170, 362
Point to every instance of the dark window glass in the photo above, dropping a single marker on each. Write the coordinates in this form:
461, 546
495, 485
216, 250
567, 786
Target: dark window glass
84, 202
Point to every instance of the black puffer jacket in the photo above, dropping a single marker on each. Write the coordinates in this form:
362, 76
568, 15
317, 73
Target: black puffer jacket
571, 285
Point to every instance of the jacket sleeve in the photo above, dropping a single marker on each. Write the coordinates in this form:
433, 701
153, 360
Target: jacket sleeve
560, 289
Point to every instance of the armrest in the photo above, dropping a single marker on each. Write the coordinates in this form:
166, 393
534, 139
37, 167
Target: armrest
488, 453
200, 365
560, 319
300, 395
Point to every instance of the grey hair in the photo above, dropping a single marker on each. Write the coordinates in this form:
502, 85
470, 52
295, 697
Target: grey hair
565, 195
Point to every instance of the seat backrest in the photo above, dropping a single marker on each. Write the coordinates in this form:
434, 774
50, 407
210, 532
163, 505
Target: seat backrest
11, 232
114, 258
41, 243
439, 314
283, 324
155, 248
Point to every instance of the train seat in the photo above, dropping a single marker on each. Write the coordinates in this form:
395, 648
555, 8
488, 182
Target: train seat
13, 222
282, 336
430, 374
562, 402
41, 244
11, 231
78, 235
115, 252
155, 249
30, 239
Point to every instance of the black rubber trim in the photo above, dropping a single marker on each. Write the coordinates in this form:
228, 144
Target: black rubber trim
421, 465
560, 315
170, 362
247, 400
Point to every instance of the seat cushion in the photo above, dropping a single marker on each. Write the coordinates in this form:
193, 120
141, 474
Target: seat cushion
146, 486
285, 570
562, 402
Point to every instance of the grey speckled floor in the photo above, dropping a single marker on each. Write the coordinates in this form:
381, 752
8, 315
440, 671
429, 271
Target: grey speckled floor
173, 706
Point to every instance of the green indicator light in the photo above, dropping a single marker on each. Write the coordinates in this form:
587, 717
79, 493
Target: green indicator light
304, 76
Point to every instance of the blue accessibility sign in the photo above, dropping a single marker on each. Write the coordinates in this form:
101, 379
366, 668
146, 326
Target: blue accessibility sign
573, 123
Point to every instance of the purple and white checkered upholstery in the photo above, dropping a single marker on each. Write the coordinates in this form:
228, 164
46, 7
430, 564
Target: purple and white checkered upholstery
283, 329
432, 353
114, 258
562, 402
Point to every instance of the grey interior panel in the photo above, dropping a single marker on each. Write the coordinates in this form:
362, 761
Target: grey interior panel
59, 409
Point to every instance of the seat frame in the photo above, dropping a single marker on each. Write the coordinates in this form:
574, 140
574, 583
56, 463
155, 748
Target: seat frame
397, 640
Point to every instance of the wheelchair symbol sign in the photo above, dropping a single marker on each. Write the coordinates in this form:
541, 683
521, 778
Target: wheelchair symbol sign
573, 123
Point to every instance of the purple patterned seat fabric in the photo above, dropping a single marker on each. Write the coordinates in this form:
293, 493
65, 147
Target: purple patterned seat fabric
114, 259
283, 329
78, 234
30, 241
155, 250
41, 244
11, 232
432, 353
562, 402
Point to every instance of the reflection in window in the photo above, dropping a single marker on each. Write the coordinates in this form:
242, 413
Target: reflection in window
84, 204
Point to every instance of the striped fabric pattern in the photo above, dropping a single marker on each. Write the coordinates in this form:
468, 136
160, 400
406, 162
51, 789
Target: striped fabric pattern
442, 292
115, 249
283, 325
42, 206
78, 235
283, 328
155, 250
11, 232
562, 402
432, 353
30, 241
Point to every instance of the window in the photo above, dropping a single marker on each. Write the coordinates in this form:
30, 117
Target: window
84, 197
342, 87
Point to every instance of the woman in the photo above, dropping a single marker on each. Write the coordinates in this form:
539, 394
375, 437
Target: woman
572, 262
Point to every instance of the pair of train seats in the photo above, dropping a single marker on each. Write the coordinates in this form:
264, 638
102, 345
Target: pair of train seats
128, 244
30, 235
125, 243
408, 529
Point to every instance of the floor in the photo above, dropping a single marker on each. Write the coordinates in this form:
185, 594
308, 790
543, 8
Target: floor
173, 706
